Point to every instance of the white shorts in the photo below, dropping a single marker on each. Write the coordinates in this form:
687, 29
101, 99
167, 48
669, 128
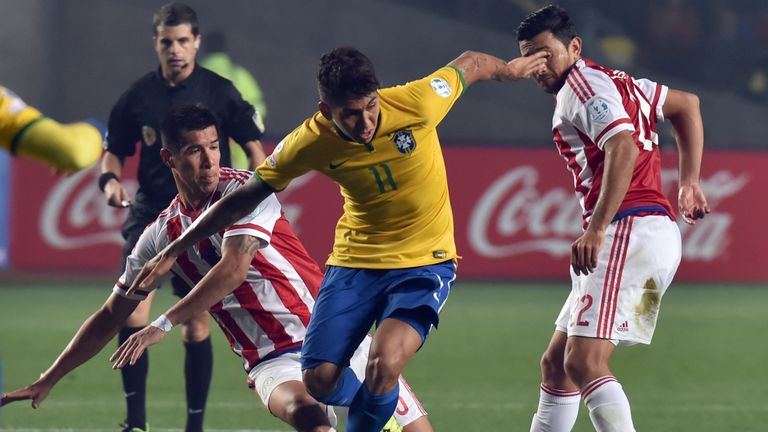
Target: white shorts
620, 300
268, 375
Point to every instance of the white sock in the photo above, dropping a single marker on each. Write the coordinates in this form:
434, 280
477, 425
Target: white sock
557, 410
608, 405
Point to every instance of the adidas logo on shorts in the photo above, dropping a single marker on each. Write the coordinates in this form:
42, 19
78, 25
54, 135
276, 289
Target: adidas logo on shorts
623, 327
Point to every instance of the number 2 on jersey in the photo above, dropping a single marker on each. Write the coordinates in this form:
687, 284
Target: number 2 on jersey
380, 181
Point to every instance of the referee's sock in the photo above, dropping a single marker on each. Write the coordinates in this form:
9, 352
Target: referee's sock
135, 384
370, 412
198, 368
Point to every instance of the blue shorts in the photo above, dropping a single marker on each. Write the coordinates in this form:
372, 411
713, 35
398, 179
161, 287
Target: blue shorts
352, 300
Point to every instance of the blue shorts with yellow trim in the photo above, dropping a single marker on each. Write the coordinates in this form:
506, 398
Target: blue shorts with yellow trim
352, 300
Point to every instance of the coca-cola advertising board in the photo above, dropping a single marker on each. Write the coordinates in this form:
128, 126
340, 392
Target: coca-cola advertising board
514, 208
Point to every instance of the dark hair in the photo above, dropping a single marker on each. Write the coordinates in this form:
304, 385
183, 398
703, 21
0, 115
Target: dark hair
345, 74
173, 14
182, 119
550, 18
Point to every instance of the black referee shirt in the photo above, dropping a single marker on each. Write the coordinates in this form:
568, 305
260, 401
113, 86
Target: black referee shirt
137, 116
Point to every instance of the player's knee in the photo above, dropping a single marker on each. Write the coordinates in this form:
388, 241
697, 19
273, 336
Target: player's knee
305, 413
579, 368
382, 371
195, 330
552, 368
320, 381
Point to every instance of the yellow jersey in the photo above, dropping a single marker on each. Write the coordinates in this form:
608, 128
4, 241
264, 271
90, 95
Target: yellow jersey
14, 116
397, 212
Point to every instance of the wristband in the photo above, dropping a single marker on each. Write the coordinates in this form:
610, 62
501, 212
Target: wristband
163, 323
104, 178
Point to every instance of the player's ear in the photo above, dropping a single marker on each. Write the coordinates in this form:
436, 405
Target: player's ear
165, 155
574, 47
325, 110
197, 41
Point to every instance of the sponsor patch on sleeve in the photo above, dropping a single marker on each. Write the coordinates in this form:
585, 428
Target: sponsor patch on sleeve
441, 87
598, 110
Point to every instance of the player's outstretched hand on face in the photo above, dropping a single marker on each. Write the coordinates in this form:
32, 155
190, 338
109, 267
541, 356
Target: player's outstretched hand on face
585, 250
526, 67
131, 349
692, 203
36, 391
152, 271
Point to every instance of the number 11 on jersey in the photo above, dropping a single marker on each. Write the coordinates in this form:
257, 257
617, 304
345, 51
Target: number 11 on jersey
380, 180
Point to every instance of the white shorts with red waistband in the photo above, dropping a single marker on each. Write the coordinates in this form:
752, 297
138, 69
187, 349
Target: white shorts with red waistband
620, 301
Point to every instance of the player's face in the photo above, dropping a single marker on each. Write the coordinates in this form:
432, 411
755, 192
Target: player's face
358, 118
197, 162
176, 49
559, 61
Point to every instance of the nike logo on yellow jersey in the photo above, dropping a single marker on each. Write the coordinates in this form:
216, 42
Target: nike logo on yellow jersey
333, 166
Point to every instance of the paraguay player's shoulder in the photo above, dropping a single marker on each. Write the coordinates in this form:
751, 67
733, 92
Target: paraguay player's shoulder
232, 175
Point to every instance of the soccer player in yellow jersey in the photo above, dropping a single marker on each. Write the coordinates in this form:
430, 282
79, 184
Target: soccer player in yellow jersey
25, 132
393, 259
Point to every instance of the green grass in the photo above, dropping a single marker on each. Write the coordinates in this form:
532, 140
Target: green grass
706, 370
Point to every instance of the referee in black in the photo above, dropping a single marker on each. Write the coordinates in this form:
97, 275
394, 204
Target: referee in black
134, 121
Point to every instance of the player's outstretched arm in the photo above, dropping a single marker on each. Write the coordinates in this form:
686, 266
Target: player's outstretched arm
95, 332
683, 110
228, 274
477, 66
224, 213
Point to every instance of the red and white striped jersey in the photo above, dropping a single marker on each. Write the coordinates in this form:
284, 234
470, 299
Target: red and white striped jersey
595, 104
270, 311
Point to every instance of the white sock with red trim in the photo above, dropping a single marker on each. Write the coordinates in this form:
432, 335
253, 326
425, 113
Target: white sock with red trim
608, 405
557, 410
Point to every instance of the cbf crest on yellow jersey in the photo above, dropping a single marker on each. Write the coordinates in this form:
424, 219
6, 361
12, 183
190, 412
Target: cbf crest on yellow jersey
397, 212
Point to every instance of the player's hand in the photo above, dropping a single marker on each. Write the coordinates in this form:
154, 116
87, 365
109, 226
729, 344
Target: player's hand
116, 194
585, 250
526, 67
692, 203
131, 349
152, 270
36, 391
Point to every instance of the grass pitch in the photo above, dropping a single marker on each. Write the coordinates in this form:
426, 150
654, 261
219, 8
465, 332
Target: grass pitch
479, 372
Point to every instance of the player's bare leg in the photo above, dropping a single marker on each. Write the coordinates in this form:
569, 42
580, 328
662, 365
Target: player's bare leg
421, 424
291, 403
393, 345
198, 367
135, 376
559, 396
586, 363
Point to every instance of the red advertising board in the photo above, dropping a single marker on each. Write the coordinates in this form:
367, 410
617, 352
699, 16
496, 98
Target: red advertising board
515, 216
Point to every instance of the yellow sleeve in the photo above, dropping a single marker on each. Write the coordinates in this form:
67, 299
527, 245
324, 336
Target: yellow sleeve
64, 147
25, 132
432, 96
289, 159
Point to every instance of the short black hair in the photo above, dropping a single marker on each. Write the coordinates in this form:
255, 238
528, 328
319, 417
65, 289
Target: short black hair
345, 74
174, 14
182, 119
551, 18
